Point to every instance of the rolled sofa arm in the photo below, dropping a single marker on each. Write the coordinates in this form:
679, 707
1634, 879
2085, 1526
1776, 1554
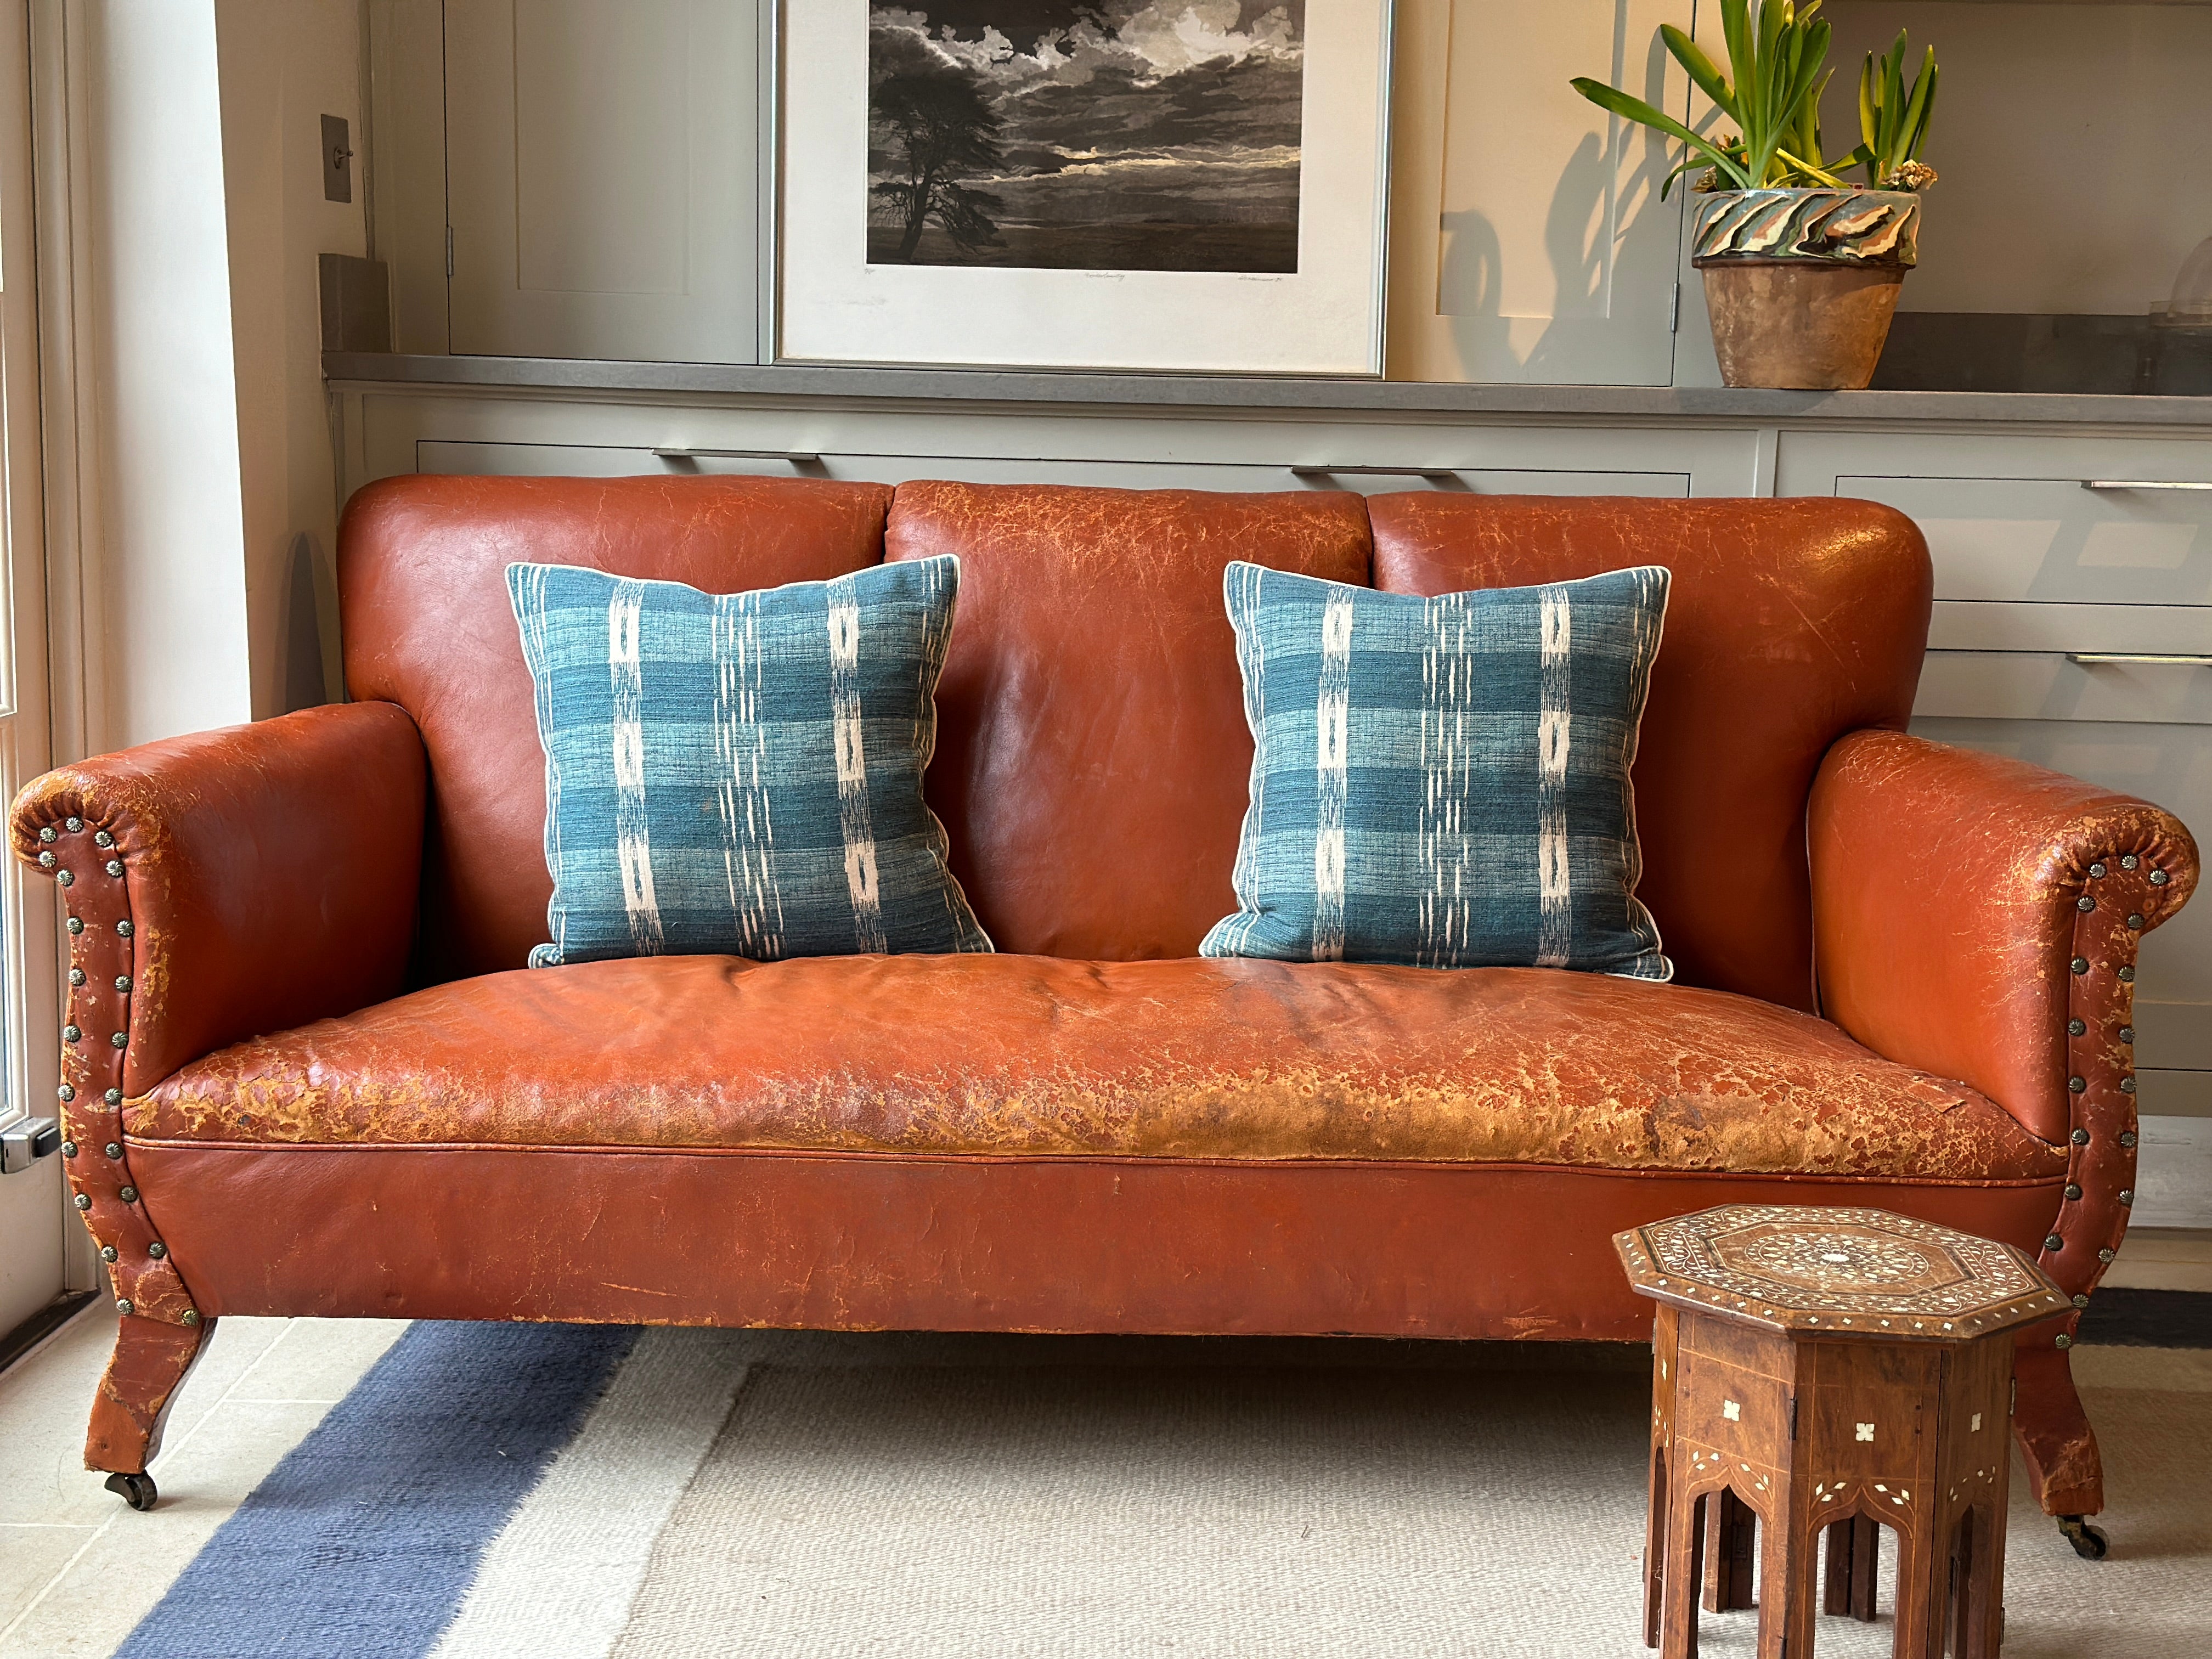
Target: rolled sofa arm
1978, 918
215, 887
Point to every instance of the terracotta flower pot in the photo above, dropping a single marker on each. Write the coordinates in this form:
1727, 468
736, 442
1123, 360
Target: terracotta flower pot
1802, 283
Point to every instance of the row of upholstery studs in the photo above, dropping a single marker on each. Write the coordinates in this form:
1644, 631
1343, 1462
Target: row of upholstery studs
156, 1250
2077, 1027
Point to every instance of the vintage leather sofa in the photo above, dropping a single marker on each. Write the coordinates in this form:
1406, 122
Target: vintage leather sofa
307, 1074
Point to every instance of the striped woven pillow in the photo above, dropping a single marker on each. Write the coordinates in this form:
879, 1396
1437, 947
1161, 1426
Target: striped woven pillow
740, 774
1443, 782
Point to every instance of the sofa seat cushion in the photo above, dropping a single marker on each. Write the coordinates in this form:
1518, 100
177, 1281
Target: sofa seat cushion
1034, 1056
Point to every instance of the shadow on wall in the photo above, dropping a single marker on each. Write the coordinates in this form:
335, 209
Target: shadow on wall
1593, 211
306, 674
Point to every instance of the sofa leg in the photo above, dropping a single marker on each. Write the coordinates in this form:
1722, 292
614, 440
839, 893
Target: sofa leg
150, 1360
2054, 1436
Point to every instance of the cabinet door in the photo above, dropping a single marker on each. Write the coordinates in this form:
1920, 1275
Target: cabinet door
1530, 243
602, 178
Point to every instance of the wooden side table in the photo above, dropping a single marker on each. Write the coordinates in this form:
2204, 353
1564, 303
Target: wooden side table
1838, 1369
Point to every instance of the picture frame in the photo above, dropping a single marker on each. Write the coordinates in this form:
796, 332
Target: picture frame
1185, 186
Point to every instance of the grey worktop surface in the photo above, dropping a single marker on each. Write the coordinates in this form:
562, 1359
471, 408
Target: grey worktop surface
1256, 394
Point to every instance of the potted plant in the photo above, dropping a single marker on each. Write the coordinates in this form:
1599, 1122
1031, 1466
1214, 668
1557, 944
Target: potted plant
1801, 269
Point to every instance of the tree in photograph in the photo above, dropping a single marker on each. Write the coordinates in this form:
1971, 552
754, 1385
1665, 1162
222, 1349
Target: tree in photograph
940, 116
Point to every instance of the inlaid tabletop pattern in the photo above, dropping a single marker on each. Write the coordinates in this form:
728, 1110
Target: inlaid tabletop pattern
1808, 1267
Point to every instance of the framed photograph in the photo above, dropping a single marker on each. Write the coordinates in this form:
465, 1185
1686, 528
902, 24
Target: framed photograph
1194, 186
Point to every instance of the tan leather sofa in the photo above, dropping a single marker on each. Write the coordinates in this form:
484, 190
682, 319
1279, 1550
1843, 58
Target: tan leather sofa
311, 1077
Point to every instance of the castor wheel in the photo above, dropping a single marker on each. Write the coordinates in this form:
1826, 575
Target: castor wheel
2088, 1543
137, 1491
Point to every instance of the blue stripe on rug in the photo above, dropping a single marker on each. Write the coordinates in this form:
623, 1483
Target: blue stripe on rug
364, 1541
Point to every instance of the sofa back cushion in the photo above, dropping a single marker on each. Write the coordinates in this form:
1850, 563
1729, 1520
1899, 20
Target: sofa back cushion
422, 589
1789, 623
1093, 762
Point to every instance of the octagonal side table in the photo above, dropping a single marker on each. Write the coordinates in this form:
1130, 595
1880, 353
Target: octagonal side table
1843, 1369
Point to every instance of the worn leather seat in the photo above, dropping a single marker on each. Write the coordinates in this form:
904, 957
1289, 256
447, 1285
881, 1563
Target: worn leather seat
1034, 1056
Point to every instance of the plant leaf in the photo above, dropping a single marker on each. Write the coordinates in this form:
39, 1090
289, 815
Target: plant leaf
1703, 71
1635, 109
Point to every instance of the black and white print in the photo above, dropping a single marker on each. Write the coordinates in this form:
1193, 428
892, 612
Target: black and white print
1086, 135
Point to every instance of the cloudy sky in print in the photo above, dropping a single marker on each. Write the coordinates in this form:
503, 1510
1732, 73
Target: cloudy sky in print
1160, 135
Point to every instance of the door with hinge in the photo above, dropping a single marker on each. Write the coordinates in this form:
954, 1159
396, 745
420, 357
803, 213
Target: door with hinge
1529, 241
602, 178
37, 1229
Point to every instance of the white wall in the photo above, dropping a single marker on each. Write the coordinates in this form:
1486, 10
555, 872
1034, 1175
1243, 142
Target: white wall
2073, 142
196, 208
284, 64
166, 594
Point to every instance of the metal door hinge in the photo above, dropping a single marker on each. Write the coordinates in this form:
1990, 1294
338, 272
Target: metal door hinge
449, 253
1674, 312
24, 1142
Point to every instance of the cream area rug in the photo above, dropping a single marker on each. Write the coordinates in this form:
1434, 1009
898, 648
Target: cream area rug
567, 1493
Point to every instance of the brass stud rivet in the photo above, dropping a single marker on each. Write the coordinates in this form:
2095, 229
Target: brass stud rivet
2062, 1340
45, 832
84, 1200
68, 1149
122, 981
2076, 1084
191, 1316
2081, 964
2081, 1300
71, 1034
101, 838
2127, 974
2127, 1033
2054, 1243
2127, 1196
113, 1097
2127, 1085
75, 924
45, 860
77, 975
157, 1249
2104, 1255
128, 1194
72, 824
2080, 1137
114, 866
2096, 869
123, 930
2085, 902
2073, 1191
2128, 860
2076, 1027
67, 1092
115, 1149
2136, 923
2158, 877
65, 878
119, 1039
107, 1253
2127, 1137
123, 1305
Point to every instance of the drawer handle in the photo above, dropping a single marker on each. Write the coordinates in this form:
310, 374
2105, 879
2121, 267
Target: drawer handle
2164, 658
796, 457
1374, 473
2143, 484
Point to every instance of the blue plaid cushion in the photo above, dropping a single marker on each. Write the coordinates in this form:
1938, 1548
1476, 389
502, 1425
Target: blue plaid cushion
1444, 782
741, 773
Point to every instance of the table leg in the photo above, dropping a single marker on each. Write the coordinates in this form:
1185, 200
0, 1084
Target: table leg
1729, 1548
1685, 1564
1854, 1550
1655, 1546
1789, 1546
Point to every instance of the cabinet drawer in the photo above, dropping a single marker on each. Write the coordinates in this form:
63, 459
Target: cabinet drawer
2013, 625
2055, 540
2170, 764
2045, 686
626, 460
